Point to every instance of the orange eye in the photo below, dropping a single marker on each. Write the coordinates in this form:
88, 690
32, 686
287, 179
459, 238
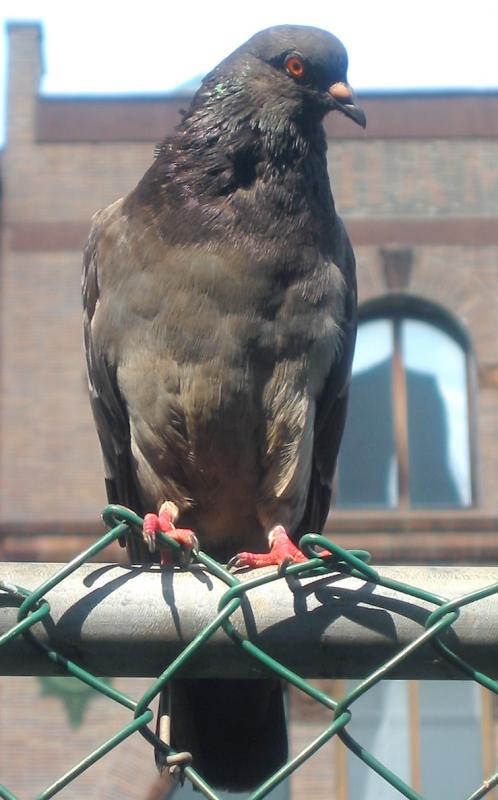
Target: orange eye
294, 66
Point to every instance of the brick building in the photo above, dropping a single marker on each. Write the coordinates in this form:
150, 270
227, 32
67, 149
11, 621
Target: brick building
419, 195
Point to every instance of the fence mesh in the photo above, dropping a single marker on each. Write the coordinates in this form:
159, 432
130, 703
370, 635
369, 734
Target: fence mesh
34, 607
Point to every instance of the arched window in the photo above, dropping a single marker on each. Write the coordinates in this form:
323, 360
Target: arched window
407, 440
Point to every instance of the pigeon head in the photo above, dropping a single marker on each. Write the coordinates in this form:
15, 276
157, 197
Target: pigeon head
285, 71
253, 133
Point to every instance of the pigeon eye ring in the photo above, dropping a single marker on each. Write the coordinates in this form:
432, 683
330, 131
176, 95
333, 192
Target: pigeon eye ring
295, 66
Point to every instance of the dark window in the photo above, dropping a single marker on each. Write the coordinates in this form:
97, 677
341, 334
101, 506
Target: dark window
406, 441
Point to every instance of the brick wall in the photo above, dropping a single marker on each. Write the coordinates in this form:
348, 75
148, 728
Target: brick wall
399, 185
38, 744
435, 194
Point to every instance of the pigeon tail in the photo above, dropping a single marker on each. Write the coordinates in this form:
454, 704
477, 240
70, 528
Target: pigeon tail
234, 729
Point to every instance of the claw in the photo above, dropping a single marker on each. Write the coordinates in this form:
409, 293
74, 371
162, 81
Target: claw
282, 553
235, 563
189, 544
163, 523
150, 528
282, 568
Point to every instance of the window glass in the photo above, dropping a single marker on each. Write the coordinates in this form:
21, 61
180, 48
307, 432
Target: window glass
451, 738
380, 724
406, 441
367, 473
438, 440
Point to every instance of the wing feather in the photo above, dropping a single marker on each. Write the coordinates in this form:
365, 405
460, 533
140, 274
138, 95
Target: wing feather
331, 408
108, 406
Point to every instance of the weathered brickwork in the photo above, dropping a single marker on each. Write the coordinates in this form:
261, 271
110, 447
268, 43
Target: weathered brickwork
437, 178
424, 177
422, 193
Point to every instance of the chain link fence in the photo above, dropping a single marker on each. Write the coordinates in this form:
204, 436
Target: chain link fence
325, 558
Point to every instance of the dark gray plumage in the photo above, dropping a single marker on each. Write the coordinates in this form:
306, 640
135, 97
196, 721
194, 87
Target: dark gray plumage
220, 317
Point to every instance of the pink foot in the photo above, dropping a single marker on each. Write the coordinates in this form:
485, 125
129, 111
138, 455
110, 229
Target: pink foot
282, 551
154, 523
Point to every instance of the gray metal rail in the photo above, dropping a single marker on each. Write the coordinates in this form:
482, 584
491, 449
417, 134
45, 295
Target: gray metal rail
127, 621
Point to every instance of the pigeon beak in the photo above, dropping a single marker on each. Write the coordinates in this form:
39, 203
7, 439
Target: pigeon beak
345, 101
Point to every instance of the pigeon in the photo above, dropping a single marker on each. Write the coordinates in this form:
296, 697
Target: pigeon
220, 321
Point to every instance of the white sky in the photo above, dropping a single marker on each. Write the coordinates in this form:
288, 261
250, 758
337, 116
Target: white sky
146, 46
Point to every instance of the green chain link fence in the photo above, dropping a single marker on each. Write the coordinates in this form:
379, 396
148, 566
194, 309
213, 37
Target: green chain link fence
34, 607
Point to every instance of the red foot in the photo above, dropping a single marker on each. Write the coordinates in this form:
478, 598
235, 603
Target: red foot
282, 550
163, 523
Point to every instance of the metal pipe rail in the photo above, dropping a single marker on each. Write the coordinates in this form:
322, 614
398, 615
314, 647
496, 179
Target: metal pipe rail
116, 620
